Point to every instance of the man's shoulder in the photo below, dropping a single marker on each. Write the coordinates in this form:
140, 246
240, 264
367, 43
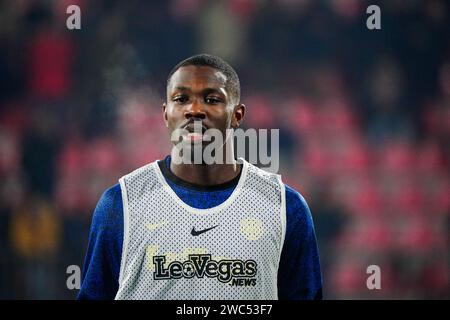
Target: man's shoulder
297, 209
109, 207
111, 193
266, 178
140, 171
295, 197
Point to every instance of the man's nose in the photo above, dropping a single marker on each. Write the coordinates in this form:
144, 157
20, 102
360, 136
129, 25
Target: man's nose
195, 110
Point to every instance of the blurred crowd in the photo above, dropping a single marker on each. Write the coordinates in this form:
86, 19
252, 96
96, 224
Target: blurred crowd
364, 119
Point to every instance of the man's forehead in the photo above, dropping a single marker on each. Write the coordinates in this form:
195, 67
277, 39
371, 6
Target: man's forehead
192, 76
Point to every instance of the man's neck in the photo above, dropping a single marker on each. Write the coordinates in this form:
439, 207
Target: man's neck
206, 174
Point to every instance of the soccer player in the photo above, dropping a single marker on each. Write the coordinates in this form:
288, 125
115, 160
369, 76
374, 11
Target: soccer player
177, 230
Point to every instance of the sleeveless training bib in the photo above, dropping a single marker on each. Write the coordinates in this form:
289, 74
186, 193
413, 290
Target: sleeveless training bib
174, 251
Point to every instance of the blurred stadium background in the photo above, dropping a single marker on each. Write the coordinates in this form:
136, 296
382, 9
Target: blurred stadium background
364, 120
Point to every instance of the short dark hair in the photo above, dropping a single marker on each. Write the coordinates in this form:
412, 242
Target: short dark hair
232, 85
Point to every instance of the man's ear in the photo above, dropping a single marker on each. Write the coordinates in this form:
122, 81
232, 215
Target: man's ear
164, 109
238, 115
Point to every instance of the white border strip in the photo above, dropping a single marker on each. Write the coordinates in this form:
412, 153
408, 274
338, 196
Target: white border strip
283, 212
126, 230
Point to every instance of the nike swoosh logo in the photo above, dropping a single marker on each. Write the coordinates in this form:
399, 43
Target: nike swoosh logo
155, 226
199, 232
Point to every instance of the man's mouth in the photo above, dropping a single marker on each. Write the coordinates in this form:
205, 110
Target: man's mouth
194, 137
196, 132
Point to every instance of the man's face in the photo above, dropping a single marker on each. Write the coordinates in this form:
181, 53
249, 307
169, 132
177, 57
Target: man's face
198, 93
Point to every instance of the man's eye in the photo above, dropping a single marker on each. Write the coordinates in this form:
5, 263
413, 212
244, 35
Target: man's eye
180, 99
212, 100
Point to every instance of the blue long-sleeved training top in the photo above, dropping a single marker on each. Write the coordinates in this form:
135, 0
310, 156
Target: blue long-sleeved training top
299, 275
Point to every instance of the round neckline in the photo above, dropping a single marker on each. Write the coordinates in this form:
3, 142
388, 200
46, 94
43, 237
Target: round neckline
169, 175
215, 209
